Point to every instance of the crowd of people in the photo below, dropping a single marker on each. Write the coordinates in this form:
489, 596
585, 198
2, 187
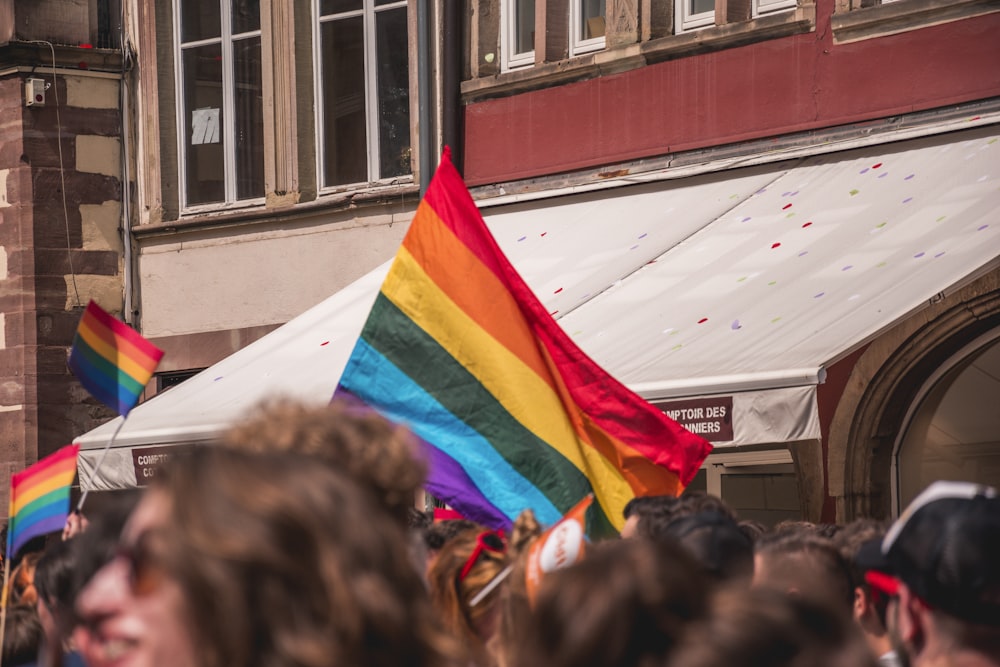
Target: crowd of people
295, 542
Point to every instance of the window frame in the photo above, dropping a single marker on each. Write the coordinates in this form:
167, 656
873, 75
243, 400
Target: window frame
577, 46
369, 10
508, 37
687, 22
226, 40
765, 7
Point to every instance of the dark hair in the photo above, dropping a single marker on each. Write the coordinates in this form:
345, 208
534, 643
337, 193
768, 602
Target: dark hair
849, 542
284, 562
438, 534
766, 628
656, 513
809, 564
752, 529
95, 546
716, 543
625, 605
22, 636
644, 505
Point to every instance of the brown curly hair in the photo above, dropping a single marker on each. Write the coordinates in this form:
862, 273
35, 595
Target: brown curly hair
349, 436
285, 563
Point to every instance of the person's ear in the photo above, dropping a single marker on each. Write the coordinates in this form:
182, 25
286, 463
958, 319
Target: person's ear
861, 603
911, 617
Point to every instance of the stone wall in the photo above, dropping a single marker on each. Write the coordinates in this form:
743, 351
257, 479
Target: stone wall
60, 246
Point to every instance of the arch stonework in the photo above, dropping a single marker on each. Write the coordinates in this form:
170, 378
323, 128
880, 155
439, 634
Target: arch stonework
883, 384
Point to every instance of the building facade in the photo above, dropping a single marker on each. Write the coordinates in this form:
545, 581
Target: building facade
568, 96
60, 213
204, 170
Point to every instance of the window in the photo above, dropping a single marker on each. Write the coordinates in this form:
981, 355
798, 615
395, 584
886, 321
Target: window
518, 33
761, 7
363, 91
758, 485
220, 101
586, 26
694, 14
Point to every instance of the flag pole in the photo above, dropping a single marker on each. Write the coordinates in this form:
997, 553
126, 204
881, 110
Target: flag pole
6, 590
93, 475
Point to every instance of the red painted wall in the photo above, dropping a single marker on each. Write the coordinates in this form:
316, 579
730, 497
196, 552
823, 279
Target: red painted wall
766, 89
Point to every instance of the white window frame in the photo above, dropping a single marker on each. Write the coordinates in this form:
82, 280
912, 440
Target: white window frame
508, 36
368, 13
579, 46
228, 128
763, 7
686, 21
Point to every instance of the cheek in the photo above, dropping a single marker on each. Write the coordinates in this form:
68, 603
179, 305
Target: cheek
166, 611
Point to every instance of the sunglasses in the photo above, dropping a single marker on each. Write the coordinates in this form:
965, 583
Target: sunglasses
488, 540
144, 572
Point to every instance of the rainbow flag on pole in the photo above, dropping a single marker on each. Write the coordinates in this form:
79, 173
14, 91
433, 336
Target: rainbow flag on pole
111, 360
39, 498
515, 414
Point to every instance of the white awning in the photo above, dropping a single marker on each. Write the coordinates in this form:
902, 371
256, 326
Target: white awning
743, 284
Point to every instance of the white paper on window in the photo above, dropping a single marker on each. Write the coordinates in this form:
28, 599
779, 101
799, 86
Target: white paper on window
204, 126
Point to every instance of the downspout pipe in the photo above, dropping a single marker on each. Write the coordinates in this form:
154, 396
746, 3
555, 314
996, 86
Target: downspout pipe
425, 101
451, 81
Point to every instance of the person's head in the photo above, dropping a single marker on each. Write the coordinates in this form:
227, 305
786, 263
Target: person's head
854, 541
762, 627
644, 509
649, 516
54, 584
515, 608
22, 637
625, 605
938, 563
234, 558
347, 435
803, 565
753, 529
22, 580
716, 543
464, 567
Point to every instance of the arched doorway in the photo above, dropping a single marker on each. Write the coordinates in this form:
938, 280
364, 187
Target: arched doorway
952, 430
895, 387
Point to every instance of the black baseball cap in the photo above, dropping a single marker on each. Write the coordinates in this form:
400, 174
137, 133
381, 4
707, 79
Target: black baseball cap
946, 549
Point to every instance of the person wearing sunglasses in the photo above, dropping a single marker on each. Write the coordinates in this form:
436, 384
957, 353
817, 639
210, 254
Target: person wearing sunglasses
463, 569
234, 558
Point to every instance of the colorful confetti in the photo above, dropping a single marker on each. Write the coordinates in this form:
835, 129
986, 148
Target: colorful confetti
854, 192
736, 325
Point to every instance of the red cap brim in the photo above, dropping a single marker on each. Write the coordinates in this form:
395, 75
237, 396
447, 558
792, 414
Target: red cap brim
882, 582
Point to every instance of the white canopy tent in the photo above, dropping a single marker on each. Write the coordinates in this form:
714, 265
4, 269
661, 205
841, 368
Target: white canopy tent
745, 283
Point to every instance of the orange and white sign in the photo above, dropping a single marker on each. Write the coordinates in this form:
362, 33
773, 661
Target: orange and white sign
560, 546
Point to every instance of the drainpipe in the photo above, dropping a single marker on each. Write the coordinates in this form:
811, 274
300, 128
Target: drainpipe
425, 148
451, 81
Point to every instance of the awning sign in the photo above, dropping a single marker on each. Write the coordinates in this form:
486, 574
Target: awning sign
711, 418
146, 460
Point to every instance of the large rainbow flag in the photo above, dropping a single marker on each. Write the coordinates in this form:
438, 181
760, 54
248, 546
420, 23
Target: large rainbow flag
39, 498
515, 415
111, 360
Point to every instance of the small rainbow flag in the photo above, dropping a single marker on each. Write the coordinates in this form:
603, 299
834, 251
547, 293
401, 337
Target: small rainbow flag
111, 360
458, 348
39, 498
